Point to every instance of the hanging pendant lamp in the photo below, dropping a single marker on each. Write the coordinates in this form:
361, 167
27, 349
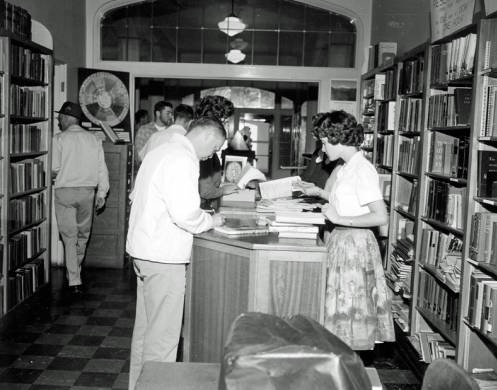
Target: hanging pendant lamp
231, 24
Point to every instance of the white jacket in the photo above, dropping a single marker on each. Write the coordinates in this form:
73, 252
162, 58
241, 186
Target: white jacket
165, 209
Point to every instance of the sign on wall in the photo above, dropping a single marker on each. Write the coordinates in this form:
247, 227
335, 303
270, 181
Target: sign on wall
448, 16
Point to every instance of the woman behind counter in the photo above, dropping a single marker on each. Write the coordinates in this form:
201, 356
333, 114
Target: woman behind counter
357, 300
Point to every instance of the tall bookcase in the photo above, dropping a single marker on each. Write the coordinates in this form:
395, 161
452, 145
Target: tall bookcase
439, 89
377, 111
407, 142
26, 75
477, 337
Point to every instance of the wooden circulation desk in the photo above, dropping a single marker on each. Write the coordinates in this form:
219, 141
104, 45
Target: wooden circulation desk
228, 276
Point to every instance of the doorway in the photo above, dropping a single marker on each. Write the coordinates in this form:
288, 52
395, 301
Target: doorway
277, 114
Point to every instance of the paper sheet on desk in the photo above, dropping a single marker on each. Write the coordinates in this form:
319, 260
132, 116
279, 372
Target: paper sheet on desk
278, 188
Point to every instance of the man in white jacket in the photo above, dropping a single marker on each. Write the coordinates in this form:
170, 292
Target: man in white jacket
165, 213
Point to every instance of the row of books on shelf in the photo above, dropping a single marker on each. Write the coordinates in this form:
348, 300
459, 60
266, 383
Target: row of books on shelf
411, 77
437, 301
368, 88
26, 63
482, 306
401, 262
26, 175
483, 238
453, 60
410, 115
15, 19
28, 101
490, 54
486, 378
368, 123
368, 141
386, 85
451, 108
26, 210
440, 249
488, 127
381, 53
400, 313
24, 282
407, 195
384, 147
409, 156
386, 116
487, 174
368, 106
449, 155
25, 138
433, 346
25, 245
445, 203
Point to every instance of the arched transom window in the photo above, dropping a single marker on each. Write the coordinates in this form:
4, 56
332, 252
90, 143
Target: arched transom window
278, 32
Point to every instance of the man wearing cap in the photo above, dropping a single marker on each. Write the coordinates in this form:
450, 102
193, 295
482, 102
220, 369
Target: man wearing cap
78, 165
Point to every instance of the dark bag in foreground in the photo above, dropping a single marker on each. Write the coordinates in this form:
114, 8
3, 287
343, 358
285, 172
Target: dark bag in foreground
265, 352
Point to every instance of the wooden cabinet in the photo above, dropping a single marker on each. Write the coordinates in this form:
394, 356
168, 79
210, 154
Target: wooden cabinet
228, 276
108, 238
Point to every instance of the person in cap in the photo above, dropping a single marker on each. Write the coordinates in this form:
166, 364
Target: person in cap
81, 181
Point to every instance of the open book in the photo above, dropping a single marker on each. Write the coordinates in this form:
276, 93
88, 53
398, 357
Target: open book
249, 173
278, 188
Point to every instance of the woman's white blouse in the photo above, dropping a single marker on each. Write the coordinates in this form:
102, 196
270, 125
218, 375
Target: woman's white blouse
357, 184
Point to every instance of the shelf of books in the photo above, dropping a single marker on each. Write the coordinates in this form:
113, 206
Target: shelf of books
478, 320
407, 131
26, 72
378, 112
443, 195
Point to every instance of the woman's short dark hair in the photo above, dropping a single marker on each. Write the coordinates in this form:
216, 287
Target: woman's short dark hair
339, 127
214, 106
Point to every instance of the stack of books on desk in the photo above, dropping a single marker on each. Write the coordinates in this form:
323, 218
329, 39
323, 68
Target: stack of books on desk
288, 204
239, 227
296, 224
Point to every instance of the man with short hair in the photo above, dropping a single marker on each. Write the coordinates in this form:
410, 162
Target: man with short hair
165, 213
163, 117
79, 166
183, 116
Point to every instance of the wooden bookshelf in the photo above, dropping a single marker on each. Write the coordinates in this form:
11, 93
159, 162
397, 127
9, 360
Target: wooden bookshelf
32, 273
475, 348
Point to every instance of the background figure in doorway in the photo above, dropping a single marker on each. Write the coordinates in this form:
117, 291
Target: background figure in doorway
141, 118
214, 106
318, 168
163, 117
164, 216
183, 116
79, 167
358, 306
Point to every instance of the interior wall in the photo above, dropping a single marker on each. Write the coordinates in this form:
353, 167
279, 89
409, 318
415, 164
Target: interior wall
65, 19
406, 22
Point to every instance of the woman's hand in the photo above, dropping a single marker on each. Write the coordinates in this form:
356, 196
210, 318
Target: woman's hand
308, 189
229, 189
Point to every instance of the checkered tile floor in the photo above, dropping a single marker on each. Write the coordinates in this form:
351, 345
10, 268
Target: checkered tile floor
84, 345
73, 344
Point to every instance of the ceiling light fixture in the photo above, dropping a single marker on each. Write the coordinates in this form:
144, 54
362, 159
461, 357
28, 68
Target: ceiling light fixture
235, 56
231, 24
